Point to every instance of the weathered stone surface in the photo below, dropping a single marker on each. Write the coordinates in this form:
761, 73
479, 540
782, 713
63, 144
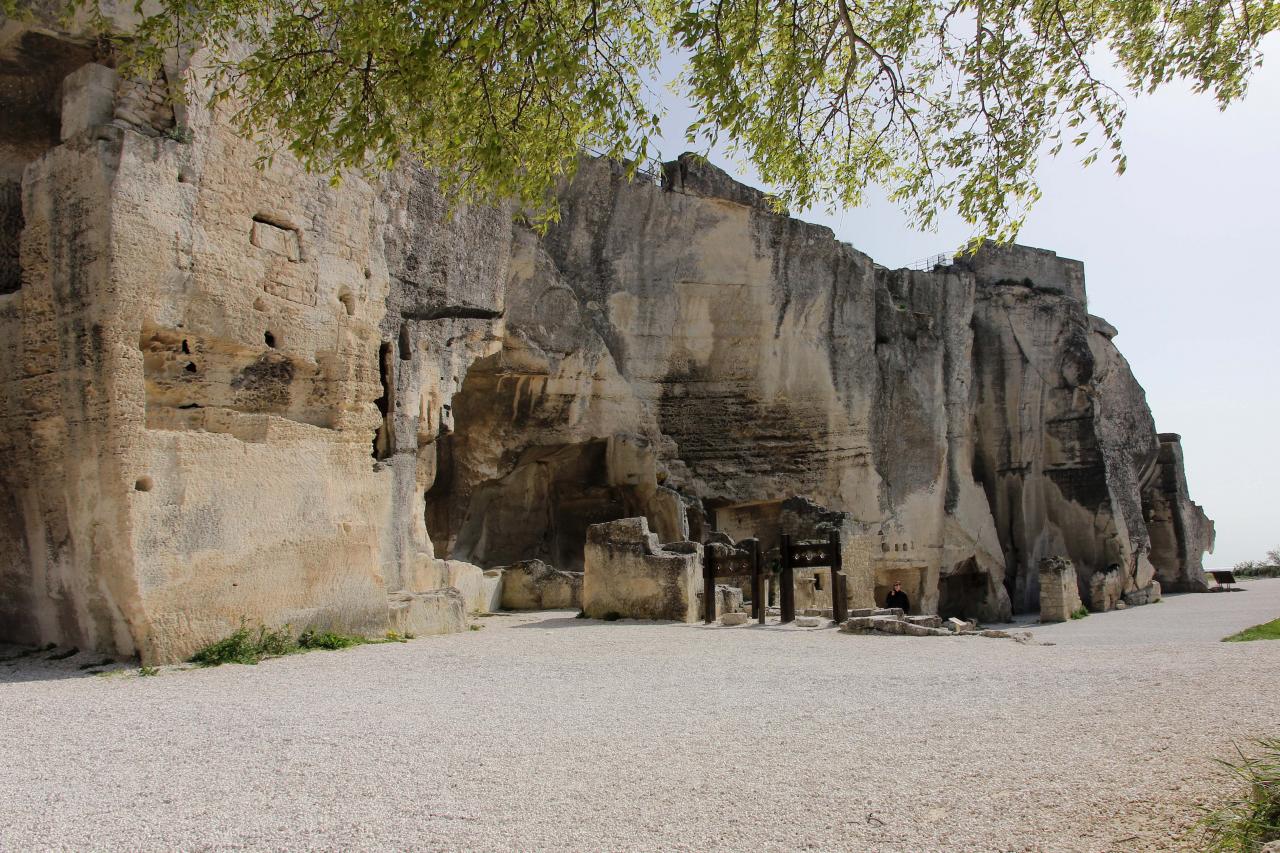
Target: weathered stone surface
232, 392
1147, 595
426, 613
728, 599
533, 585
1059, 594
856, 625
808, 621
928, 621
734, 619
628, 573
1180, 531
1105, 589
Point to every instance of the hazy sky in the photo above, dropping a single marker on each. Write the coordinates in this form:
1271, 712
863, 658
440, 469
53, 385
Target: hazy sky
1182, 255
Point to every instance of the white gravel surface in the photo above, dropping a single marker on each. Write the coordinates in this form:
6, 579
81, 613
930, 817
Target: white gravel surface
547, 732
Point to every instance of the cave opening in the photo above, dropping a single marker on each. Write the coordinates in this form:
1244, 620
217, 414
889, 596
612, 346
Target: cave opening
515, 479
386, 404
963, 593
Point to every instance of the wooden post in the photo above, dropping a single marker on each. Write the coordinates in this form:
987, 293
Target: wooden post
762, 606
839, 596
787, 581
708, 585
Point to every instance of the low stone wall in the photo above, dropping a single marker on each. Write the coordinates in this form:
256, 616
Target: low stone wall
628, 574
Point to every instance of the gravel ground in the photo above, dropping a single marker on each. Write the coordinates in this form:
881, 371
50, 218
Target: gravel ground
543, 731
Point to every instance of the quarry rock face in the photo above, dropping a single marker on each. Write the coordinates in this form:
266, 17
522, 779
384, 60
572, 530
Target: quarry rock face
234, 392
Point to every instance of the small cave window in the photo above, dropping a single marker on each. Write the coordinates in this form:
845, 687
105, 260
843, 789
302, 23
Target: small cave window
191, 367
817, 582
186, 349
143, 484
348, 302
404, 344
270, 339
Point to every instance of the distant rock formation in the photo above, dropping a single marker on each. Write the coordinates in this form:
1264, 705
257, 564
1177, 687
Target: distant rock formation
233, 392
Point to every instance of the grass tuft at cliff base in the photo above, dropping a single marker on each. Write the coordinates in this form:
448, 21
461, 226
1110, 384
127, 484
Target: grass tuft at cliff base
1265, 631
245, 646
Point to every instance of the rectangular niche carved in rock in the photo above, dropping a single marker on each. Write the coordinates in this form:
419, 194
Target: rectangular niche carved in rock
276, 237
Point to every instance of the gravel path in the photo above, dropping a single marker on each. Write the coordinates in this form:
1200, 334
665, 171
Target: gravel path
543, 731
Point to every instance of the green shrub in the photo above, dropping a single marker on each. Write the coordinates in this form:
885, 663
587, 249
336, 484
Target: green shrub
311, 639
144, 671
1250, 817
246, 646
239, 647
1080, 613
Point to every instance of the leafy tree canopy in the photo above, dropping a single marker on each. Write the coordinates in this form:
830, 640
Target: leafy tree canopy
947, 104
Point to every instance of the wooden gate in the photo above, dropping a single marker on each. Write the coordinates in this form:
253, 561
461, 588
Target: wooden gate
743, 561
813, 555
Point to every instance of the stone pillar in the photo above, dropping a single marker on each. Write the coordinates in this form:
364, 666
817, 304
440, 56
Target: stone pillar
1059, 595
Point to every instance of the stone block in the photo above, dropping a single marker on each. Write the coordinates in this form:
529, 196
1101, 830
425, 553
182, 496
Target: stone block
1059, 593
88, 98
470, 581
422, 614
628, 573
730, 619
926, 620
895, 612
493, 590
533, 585
1105, 589
1146, 595
729, 599
808, 622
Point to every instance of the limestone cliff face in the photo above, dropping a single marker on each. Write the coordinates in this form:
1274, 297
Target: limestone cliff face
233, 392
972, 419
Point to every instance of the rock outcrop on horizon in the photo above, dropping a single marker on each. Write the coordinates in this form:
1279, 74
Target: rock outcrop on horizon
239, 393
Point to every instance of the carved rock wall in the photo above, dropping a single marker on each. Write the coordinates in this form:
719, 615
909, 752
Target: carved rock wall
236, 392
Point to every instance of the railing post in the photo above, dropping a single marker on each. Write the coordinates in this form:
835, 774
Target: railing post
839, 596
708, 585
758, 602
787, 581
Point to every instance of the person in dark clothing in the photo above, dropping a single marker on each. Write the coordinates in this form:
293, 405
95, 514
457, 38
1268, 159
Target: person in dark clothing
898, 598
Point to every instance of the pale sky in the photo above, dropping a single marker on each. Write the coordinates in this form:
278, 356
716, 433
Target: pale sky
1182, 255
